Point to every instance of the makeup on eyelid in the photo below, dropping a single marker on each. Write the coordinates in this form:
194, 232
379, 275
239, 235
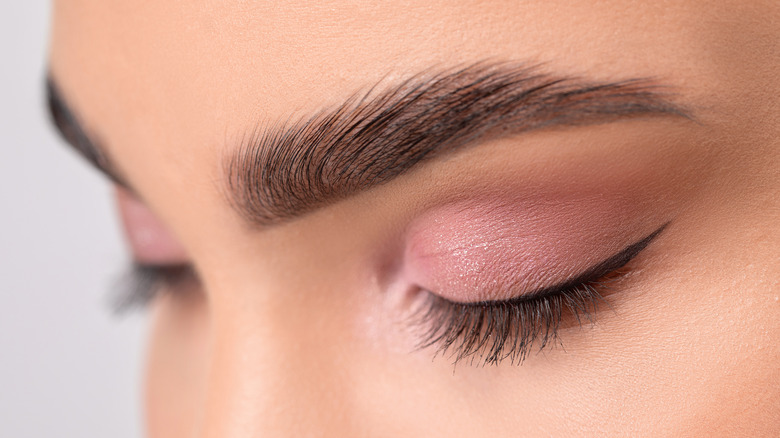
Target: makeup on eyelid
149, 240
499, 249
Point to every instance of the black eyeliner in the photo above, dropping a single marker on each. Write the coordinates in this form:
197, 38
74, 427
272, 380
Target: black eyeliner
593, 273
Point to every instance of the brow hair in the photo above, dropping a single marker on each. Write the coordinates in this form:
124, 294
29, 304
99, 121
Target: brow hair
292, 168
73, 132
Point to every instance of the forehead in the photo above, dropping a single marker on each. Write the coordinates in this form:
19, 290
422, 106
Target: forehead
220, 64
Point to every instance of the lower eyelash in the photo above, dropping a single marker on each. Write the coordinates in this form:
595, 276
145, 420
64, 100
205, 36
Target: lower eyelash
143, 283
493, 331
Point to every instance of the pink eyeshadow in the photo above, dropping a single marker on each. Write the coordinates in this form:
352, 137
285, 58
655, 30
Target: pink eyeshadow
148, 238
502, 248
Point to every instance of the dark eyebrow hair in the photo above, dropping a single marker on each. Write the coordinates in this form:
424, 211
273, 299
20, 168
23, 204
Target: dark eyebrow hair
292, 168
73, 132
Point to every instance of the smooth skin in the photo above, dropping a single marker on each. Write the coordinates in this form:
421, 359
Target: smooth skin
290, 331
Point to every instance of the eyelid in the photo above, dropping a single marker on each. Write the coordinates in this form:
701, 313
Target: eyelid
149, 239
589, 275
601, 269
493, 248
495, 330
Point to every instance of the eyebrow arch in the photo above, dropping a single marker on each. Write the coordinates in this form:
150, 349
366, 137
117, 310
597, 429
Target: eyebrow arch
74, 134
291, 168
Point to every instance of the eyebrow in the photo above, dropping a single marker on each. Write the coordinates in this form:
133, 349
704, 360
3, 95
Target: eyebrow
74, 134
289, 169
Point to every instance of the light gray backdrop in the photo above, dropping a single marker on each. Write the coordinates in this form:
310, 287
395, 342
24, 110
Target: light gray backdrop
68, 367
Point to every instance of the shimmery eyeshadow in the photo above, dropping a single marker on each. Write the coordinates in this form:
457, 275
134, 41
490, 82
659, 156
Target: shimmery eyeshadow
502, 248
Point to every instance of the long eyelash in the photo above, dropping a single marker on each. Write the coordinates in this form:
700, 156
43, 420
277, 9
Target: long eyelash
138, 287
494, 331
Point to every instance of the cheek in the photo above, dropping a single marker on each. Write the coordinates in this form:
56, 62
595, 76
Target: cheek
176, 374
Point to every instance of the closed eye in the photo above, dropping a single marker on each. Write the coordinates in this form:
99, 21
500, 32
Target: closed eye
489, 332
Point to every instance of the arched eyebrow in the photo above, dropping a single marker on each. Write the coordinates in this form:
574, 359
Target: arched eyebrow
289, 169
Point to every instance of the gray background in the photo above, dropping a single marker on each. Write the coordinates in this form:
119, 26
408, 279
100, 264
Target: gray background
68, 367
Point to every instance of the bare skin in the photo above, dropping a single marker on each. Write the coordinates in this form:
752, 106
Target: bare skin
297, 328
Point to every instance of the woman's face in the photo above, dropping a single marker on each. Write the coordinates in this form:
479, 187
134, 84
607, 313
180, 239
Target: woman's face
352, 181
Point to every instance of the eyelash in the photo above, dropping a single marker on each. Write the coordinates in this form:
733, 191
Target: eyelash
490, 332
143, 283
494, 331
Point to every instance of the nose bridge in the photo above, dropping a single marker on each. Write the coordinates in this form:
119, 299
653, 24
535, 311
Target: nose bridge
273, 371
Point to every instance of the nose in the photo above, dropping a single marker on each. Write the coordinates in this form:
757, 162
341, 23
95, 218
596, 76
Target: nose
275, 370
